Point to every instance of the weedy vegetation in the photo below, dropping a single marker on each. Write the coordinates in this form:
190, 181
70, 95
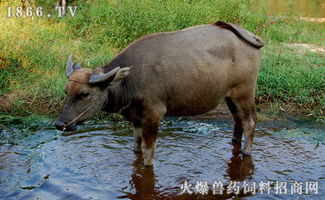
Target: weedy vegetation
33, 51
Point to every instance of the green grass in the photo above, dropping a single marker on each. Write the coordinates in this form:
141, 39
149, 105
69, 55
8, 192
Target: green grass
290, 76
33, 51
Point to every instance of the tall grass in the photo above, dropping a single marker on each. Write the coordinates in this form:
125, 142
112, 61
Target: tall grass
33, 50
121, 22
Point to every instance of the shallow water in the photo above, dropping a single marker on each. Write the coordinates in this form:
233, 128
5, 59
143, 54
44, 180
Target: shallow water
97, 162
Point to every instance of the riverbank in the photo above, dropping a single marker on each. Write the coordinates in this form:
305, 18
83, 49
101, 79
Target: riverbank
34, 50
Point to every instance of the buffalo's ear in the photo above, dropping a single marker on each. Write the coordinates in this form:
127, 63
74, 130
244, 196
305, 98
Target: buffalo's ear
71, 67
120, 75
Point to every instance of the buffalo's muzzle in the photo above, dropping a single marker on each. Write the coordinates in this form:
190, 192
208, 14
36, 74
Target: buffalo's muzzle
63, 127
59, 125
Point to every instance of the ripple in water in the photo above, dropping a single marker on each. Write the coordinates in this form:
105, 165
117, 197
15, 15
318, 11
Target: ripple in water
97, 162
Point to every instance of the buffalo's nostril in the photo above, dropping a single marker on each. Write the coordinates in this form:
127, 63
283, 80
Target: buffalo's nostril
59, 125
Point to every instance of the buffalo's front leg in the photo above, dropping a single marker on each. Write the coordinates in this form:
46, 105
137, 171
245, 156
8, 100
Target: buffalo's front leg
149, 137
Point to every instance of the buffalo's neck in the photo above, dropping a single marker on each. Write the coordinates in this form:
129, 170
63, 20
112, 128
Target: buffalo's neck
117, 98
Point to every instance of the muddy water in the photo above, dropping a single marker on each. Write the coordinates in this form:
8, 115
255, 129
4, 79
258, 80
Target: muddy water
97, 162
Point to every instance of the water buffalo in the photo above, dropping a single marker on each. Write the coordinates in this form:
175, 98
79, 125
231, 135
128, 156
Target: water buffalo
180, 73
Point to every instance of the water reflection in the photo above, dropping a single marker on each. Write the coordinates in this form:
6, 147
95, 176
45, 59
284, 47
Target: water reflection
143, 179
240, 167
99, 164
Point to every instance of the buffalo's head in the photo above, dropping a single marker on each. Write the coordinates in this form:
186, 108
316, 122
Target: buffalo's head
86, 93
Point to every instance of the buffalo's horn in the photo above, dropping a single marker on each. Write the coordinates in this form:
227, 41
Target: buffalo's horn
97, 78
70, 67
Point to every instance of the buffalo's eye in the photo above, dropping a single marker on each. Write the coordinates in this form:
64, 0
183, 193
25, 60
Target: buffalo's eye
83, 95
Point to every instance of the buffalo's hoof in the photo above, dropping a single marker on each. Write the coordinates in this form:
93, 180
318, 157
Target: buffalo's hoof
246, 153
137, 147
137, 151
247, 150
147, 163
235, 141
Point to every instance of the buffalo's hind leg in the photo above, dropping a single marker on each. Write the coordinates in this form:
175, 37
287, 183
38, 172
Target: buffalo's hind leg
137, 133
249, 124
245, 118
238, 129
